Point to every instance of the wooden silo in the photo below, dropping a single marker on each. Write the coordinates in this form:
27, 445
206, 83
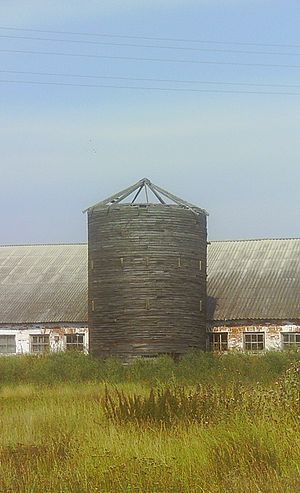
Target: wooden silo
147, 275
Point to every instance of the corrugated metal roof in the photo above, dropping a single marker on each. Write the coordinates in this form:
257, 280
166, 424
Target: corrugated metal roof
247, 279
254, 279
43, 283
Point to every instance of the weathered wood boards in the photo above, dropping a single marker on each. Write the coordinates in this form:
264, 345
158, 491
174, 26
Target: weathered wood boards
147, 279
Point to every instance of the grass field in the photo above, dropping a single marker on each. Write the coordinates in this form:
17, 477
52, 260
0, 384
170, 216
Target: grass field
213, 424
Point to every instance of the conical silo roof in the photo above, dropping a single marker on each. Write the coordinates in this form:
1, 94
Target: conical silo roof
151, 191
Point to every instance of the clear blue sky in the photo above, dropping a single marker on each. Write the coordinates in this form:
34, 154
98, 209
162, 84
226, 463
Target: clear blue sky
62, 148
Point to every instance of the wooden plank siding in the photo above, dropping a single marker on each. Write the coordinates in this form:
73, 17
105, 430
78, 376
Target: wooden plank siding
147, 279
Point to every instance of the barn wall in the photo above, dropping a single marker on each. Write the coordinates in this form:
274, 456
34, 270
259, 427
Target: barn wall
57, 335
272, 331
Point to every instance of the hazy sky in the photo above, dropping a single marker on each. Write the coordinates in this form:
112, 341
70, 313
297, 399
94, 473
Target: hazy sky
63, 148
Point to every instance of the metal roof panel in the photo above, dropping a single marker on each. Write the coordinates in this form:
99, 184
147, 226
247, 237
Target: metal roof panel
247, 279
43, 284
254, 279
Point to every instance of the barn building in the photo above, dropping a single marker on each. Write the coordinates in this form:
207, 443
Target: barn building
50, 294
254, 294
43, 298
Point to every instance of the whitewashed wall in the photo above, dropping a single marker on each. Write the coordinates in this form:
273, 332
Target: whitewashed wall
57, 335
273, 334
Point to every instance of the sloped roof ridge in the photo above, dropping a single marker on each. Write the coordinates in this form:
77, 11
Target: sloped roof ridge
239, 240
42, 244
255, 239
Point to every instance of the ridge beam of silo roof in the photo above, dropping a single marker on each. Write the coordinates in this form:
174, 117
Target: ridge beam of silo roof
153, 190
117, 197
137, 194
178, 200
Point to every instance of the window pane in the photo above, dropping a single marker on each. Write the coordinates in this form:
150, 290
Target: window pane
219, 341
7, 344
254, 341
74, 342
40, 343
291, 340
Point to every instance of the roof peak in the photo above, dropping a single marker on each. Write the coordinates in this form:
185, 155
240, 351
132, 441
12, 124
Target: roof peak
85, 243
147, 186
255, 239
41, 244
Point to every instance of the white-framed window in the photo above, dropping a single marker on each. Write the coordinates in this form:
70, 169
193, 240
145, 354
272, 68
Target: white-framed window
40, 343
254, 341
75, 342
7, 344
218, 341
291, 340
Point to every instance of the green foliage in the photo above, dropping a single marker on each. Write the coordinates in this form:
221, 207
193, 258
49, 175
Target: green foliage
152, 370
206, 404
194, 368
170, 405
217, 436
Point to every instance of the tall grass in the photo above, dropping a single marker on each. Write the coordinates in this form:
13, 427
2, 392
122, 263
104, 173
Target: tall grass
194, 368
206, 404
196, 431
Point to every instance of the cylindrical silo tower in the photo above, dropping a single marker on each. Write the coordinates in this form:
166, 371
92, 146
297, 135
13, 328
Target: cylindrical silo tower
147, 275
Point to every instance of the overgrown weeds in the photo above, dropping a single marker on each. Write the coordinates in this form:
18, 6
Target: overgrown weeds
171, 404
194, 368
207, 404
236, 436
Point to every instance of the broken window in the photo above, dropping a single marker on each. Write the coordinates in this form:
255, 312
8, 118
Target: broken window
291, 340
254, 341
40, 343
219, 341
7, 344
75, 342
